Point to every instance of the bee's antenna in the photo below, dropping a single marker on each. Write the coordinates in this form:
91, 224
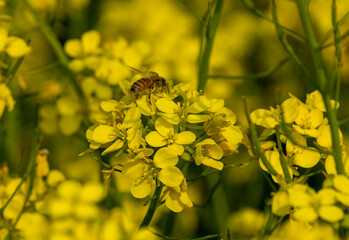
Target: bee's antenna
135, 69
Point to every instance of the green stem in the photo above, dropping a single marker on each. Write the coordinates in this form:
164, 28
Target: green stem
338, 47
268, 226
323, 83
30, 172
57, 48
152, 207
204, 61
282, 158
333, 122
255, 141
254, 76
313, 45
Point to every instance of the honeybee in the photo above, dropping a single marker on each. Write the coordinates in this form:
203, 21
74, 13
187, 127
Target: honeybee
151, 82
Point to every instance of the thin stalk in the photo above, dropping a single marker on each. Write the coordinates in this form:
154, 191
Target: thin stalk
251, 6
282, 158
338, 47
57, 48
285, 44
329, 33
268, 226
204, 61
212, 236
271, 184
313, 45
336, 147
152, 206
256, 144
30, 172
323, 83
257, 75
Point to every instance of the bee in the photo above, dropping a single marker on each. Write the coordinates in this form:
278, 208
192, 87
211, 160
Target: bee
151, 82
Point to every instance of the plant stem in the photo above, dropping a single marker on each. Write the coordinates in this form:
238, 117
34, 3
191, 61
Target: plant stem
323, 83
57, 48
204, 58
152, 207
256, 144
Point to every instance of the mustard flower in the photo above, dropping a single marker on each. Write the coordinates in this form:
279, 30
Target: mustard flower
141, 171
115, 136
308, 120
208, 153
315, 101
15, 47
308, 207
341, 184
165, 135
273, 157
176, 197
300, 154
324, 139
6, 99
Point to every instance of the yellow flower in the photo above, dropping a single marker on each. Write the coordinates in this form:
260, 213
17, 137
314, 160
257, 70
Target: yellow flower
281, 205
305, 157
308, 120
5, 99
308, 205
273, 157
208, 153
89, 44
264, 118
315, 101
165, 135
15, 47
177, 197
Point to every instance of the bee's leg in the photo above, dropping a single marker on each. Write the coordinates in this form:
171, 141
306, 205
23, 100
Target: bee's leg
149, 98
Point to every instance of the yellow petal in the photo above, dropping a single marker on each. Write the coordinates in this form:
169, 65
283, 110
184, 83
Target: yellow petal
17, 47
281, 204
185, 137
90, 41
171, 117
264, 118
109, 105
194, 118
142, 189
307, 159
171, 176
315, 118
216, 105
185, 199
290, 108
201, 105
341, 183
164, 127
212, 163
326, 196
331, 213
73, 48
132, 117
306, 214
232, 134
154, 139
103, 134
179, 149
299, 197
172, 202
146, 108
167, 106
115, 146
165, 157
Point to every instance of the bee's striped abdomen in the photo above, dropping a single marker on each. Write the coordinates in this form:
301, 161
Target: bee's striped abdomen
140, 85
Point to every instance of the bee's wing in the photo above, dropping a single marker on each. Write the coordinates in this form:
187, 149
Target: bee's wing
153, 75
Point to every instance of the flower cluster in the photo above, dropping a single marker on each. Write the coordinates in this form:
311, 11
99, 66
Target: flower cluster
296, 124
306, 205
162, 130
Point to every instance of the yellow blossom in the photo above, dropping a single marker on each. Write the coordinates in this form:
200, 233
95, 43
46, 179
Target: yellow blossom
273, 157
165, 135
176, 197
208, 153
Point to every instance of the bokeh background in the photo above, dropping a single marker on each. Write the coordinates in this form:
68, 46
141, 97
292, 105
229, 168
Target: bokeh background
161, 36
